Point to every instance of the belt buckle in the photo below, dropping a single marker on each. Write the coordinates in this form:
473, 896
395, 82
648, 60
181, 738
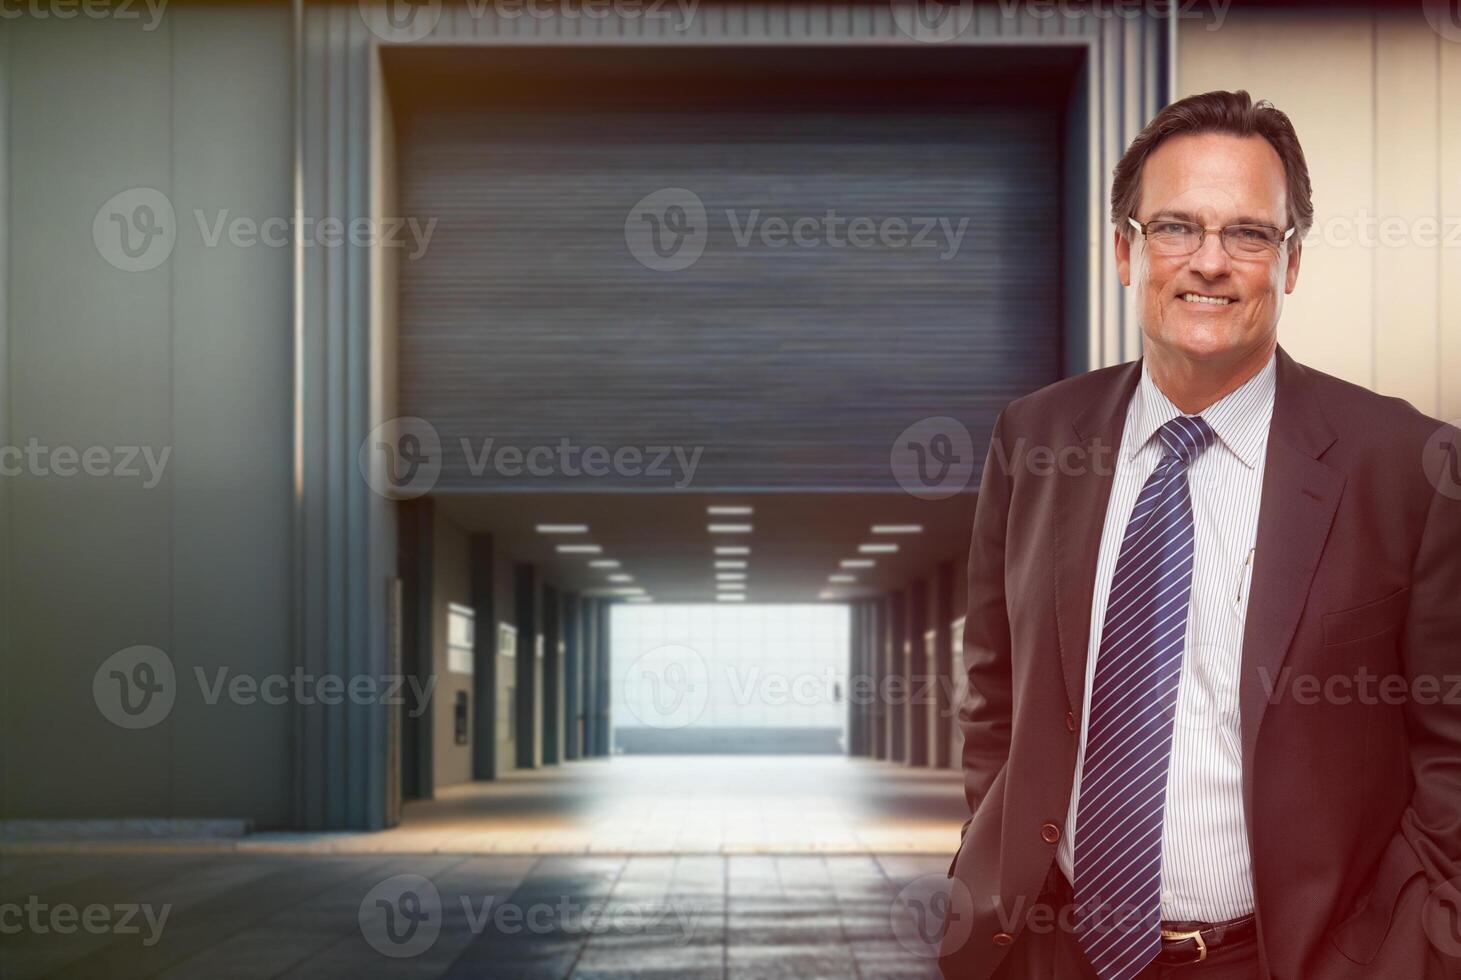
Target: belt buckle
1191, 934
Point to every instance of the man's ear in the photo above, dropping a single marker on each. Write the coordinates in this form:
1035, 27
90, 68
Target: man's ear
1123, 258
1292, 273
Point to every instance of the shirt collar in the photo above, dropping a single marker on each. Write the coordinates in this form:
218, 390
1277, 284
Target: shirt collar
1240, 419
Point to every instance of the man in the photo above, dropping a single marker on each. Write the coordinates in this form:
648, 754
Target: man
1209, 731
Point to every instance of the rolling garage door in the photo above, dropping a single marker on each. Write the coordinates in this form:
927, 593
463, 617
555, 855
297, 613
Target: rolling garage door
786, 287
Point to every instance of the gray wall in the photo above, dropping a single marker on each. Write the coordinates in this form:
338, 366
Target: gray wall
193, 356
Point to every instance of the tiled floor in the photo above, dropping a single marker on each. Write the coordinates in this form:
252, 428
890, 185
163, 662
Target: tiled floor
317, 917
630, 867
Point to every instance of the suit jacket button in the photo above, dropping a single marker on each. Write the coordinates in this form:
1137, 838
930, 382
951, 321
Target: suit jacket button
1070, 721
1050, 832
1003, 939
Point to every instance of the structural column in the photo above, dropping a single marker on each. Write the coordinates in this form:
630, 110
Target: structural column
572, 676
601, 689
942, 606
917, 675
484, 657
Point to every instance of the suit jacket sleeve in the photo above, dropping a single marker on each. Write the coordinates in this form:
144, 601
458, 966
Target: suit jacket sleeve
984, 711
1432, 651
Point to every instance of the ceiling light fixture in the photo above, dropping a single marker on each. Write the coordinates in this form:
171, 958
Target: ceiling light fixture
562, 528
897, 528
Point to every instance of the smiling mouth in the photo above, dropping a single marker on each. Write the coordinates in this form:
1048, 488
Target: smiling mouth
1205, 300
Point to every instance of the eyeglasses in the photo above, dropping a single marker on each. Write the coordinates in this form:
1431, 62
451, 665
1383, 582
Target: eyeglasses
1173, 238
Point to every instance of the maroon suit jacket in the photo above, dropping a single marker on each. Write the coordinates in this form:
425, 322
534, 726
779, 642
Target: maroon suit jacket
1353, 803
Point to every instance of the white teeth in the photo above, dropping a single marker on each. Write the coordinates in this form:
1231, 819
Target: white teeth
1212, 300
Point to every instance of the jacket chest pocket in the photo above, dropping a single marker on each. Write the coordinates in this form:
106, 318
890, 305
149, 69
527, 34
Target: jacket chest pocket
1364, 621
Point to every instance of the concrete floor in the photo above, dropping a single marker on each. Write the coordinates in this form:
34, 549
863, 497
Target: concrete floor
631, 867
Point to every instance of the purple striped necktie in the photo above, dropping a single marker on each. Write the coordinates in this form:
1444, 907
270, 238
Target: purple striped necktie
1118, 842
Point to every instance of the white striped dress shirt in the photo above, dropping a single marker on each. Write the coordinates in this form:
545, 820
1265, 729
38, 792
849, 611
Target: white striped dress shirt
1206, 866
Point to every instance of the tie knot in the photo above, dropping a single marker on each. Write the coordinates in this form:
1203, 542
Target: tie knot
1186, 436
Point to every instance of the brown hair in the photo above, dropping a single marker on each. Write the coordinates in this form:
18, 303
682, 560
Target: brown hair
1233, 113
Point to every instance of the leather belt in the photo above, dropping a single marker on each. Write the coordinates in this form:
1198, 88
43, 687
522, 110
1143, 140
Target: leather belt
1182, 942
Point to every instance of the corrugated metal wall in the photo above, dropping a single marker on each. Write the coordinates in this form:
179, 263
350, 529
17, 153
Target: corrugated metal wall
531, 317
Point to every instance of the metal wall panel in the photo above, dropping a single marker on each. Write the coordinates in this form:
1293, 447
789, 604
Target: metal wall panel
530, 319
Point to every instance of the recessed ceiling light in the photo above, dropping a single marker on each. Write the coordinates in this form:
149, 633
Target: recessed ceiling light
728, 528
641, 598
732, 549
731, 597
628, 590
562, 528
730, 576
857, 563
731, 586
842, 578
579, 549
897, 528
721, 510
603, 563
621, 577
730, 564
877, 549
828, 594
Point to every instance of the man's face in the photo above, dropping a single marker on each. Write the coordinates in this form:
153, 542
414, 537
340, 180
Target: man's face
1214, 180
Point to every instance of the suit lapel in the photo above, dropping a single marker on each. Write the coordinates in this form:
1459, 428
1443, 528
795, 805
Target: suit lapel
1299, 498
1080, 513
